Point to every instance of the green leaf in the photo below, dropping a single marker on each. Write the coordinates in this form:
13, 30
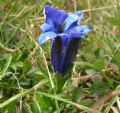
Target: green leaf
16, 65
66, 101
87, 64
23, 55
100, 64
11, 107
77, 94
42, 69
34, 105
61, 80
99, 88
5, 68
45, 103
27, 66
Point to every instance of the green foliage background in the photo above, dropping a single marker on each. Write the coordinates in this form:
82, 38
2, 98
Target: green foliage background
28, 83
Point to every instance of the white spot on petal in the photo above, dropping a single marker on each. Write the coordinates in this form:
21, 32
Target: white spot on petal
47, 37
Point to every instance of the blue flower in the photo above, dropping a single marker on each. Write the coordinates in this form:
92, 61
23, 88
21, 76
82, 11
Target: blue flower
65, 34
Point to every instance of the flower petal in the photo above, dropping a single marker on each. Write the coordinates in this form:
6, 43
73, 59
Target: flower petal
54, 16
72, 19
46, 27
51, 15
76, 34
56, 50
65, 34
78, 31
46, 36
71, 50
82, 29
62, 16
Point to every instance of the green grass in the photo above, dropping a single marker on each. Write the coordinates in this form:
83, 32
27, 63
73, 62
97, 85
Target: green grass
28, 83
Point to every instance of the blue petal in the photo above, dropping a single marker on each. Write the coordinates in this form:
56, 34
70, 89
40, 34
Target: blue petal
76, 35
56, 50
82, 29
78, 31
51, 15
46, 36
62, 16
54, 16
70, 53
46, 27
72, 19
73, 34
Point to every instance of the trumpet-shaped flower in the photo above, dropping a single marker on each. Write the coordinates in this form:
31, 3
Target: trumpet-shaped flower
65, 34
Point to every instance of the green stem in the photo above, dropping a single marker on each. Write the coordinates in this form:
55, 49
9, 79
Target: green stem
6, 66
56, 102
5, 48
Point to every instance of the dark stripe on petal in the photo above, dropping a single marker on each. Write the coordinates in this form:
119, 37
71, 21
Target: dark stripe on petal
70, 54
56, 50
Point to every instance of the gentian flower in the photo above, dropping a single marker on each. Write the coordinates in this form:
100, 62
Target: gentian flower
65, 34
